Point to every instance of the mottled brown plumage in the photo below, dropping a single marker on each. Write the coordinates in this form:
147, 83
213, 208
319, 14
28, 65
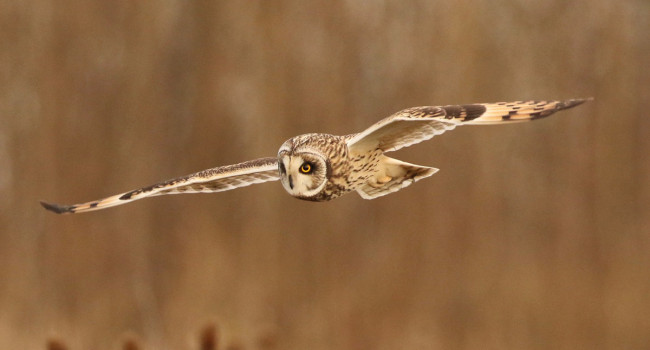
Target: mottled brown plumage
321, 167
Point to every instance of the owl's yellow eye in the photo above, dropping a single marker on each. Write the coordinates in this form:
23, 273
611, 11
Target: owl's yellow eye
306, 168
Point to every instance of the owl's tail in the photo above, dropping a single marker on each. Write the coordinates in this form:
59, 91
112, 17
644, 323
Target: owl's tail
392, 176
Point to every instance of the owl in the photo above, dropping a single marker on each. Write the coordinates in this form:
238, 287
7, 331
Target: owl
321, 167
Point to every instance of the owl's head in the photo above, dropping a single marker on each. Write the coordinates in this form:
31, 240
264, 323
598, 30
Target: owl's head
304, 169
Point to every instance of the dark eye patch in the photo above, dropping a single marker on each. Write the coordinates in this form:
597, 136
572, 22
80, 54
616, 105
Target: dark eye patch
282, 168
307, 167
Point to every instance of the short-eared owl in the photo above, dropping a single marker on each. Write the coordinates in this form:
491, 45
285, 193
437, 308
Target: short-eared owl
320, 167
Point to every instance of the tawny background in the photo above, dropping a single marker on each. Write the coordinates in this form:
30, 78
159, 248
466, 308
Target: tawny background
532, 236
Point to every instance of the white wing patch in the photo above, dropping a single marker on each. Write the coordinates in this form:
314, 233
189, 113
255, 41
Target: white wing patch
402, 129
218, 179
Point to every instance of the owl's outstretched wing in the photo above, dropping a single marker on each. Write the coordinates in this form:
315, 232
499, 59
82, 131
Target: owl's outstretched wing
417, 124
217, 179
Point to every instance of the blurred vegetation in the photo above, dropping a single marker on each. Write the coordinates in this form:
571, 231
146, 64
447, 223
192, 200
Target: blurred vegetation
208, 339
533, 236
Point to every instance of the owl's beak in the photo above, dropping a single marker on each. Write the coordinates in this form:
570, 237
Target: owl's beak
290, 182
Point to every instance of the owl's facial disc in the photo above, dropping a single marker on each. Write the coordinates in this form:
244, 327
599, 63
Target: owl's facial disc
303, 174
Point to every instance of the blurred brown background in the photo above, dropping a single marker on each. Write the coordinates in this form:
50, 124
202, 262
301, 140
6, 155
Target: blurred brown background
533, 236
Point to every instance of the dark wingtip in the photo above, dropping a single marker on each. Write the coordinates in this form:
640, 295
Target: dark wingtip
59, 209
574, 102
